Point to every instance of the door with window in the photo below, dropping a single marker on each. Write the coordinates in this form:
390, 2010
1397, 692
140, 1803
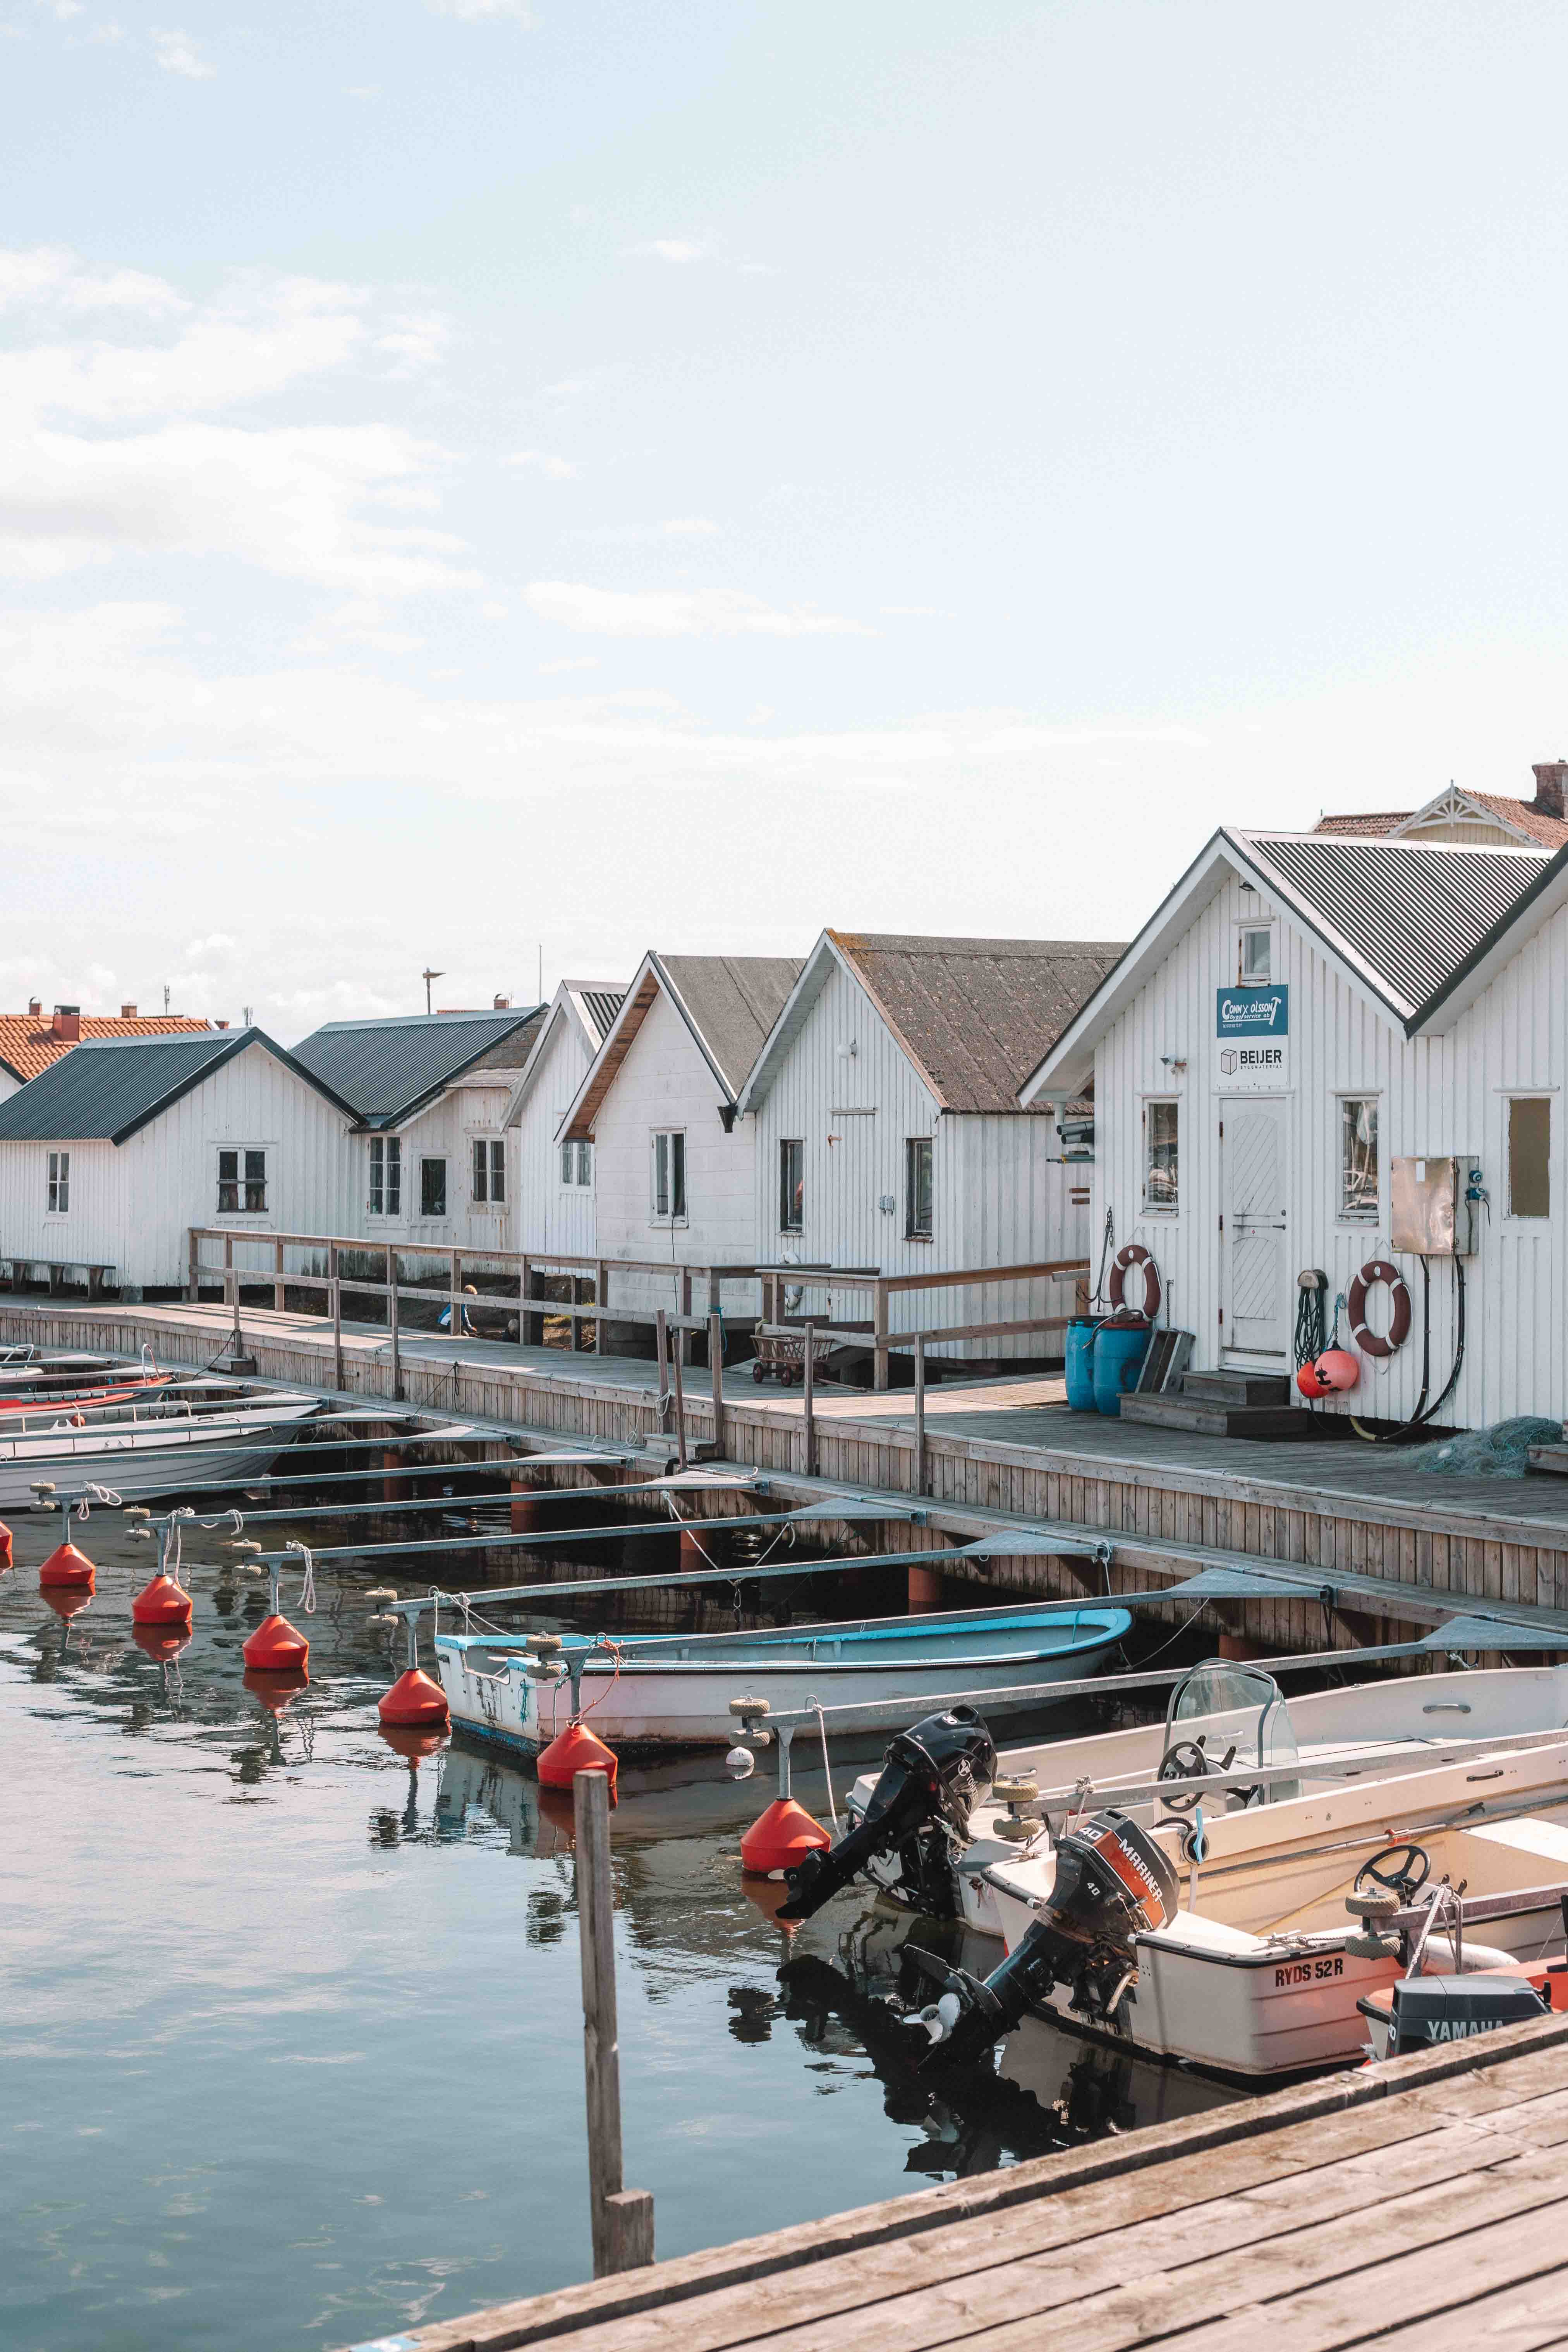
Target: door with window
1256, 1288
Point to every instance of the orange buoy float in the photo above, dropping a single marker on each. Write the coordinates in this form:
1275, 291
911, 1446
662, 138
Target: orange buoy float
780, 1838
164, 1601
7, 1559
275, 1689
571, 1751
413, 1700
162, 1643
276, 1647
66, 1566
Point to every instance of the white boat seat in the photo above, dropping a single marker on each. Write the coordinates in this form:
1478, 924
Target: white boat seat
1200, 1935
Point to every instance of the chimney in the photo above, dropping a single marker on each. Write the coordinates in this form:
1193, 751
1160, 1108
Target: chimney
67, 1024
128, 1013
503, 1004
1551, 775
220, 1024
35, 1006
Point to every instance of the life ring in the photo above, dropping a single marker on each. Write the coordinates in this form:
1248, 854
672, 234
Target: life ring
1135, 1254
1374, 1343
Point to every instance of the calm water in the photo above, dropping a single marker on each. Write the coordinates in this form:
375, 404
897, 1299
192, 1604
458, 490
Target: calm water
291, 2033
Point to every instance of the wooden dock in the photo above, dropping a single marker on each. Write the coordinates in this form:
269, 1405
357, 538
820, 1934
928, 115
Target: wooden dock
1421, 2206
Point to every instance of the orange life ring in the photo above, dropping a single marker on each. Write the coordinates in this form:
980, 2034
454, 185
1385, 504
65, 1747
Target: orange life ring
1374, 1343
1135, 1253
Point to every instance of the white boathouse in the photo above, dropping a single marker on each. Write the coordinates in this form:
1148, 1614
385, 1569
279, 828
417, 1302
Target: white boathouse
1308, 1040
890, 1135
108, 1156
554, 1204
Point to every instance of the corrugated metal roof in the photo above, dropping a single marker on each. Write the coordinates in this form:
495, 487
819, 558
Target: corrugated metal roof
976, 1015
1411, 911
28, 1042
734, 1002
387, 1068
106, 1088
601, 1006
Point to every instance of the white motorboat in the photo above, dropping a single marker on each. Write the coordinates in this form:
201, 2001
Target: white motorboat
1297, 1764
143, 1449
675, 1689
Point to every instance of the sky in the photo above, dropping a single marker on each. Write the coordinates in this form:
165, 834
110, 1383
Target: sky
499, 487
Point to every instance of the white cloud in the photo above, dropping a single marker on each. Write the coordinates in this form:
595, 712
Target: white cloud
568, 661
482, 12
539, 461
671, 249
675, 613
50, 273
177, 54
689, 527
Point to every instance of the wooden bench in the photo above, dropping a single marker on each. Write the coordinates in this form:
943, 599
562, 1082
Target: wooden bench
22, 1271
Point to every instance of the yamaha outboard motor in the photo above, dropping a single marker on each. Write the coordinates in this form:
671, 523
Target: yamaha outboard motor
1112, 1884
936, 1773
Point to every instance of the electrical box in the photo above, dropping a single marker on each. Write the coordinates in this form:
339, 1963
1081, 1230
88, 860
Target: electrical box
1426, 1200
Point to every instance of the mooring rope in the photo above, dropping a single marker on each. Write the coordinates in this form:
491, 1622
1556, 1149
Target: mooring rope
308, 1585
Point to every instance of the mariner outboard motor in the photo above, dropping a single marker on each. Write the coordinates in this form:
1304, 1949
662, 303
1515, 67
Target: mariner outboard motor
937, 1772
1113, 1883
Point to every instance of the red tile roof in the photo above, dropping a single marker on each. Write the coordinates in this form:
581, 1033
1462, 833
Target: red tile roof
1550, 832
1361, 826
28, 1042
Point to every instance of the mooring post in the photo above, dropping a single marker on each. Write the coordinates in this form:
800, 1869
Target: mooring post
808, 1398
716, 1369
621, 2219
919, 1413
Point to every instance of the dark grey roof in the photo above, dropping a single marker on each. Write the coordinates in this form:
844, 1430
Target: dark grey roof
1412, 912
732, 1002
601, 1005
976, 1015
106, 1088
387, 1069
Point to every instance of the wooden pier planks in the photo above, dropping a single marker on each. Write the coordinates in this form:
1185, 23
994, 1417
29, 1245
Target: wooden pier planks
1423, 2205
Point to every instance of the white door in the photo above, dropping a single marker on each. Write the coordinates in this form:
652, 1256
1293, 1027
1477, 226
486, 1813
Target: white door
1256, 1290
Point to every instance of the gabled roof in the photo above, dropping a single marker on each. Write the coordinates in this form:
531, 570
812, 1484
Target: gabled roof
728, 1005
390, 1069
589, 1004
1531, 823
1408, 921
28, 1042
971, 1016
106, 1088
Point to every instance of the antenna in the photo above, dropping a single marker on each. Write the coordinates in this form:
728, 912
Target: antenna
166, 994
427, 976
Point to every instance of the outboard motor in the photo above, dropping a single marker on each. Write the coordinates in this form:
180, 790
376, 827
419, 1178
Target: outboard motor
936, 1773
1113, 1883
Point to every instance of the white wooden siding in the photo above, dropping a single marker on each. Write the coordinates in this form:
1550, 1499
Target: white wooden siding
548, 1214
1438, 1095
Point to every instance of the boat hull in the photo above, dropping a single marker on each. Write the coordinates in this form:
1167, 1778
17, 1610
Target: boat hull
143, 1458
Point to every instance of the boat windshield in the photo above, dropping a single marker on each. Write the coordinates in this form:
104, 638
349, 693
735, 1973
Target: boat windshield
1229, 1705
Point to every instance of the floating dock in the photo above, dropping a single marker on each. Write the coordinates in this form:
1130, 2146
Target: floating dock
1421, 2206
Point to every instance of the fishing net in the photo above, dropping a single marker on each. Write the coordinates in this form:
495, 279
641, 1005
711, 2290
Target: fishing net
1500, 1451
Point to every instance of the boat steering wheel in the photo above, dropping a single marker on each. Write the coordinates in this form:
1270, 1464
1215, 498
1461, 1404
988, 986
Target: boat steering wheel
1409, 1868
1186, 1759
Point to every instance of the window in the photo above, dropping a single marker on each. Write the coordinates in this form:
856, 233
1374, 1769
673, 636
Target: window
577, 1163
792, 1185
59, 1182
584, 1163
1161, 1154
918, 1189
432, 1188
490, 1168
1529, 1156
241, 1184
385, 1176
1256, 960
670, 1176
1358, 1158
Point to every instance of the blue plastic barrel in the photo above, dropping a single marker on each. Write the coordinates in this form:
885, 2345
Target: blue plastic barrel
1119, 1351
1080, 1363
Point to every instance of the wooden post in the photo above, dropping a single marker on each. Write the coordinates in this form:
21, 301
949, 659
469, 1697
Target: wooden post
601, 1300
880, 1335
809, 1396
576, 1319
336, 1280
621, 2219
192, 1289
919, 1413
661, 1350
716, 1373
457, 1309
684, 1288
277, 1269
391, 1322
679, 1405
522, 1304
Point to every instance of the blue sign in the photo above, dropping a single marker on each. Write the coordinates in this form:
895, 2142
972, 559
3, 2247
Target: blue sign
1249, 1012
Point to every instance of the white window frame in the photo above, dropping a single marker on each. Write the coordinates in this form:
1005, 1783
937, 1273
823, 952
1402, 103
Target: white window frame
442, 1159
389, 1145
1245, 931
1151, 1207
680, 1192
1355, 1218
574, 1167
58, 1184
487, 1153
242, 1178
1531, 1219
791, 1220
913, 1232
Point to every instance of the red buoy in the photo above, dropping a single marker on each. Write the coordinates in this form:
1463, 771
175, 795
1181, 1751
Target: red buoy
162, 1602
276, 1647
276, 1689
65, 1565
413, 1700
574, 1750
161, 1641
780, 1838
4, 1547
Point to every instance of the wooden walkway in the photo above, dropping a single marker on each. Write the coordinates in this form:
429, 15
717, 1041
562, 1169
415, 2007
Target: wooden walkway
1421, 2207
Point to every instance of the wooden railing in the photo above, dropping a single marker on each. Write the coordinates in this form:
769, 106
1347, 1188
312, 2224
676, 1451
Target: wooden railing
776, 1279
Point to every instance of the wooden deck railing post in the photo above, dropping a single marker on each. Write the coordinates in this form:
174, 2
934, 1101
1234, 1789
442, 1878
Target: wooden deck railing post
277, 1269
808, 1398
661, 1356
337, 1297
601, 1300
621, 2219
715, 1371
880, 1375
684, 1292
457, 1309
681, 1454
391, 1322
919, 1413
193, 1289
